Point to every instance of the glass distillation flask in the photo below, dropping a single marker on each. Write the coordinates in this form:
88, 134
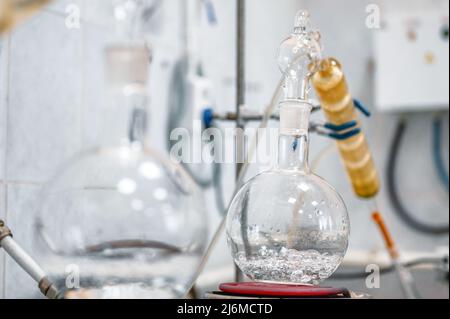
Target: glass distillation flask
122, 220
288, 225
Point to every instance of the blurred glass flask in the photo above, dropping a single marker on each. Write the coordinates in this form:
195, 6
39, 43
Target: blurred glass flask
123, 219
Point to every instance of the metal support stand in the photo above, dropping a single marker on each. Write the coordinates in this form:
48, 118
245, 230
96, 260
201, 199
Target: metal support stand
240, 99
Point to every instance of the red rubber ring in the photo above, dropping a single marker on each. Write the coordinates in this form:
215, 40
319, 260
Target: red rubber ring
279, 290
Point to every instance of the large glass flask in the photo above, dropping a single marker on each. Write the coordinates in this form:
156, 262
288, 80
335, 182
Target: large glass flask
122, 220
288, 225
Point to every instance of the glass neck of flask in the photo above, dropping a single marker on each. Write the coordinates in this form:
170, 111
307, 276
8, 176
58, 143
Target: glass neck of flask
297, 87
293, 153
125, 124
127, 76
293, 147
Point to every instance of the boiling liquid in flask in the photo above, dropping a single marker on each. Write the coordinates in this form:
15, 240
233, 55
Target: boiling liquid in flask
289, 265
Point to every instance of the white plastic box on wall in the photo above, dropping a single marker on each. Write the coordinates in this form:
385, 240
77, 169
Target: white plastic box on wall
412, 60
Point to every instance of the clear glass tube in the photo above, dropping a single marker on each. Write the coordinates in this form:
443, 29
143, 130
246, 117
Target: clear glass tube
300, 50
293, 153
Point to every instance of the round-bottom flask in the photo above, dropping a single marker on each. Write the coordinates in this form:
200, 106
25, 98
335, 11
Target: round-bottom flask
121, 222
288, 225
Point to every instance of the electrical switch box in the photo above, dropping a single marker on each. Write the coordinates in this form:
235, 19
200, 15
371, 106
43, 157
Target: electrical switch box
412, 61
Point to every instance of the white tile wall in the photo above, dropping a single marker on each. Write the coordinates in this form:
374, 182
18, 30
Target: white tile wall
4, 52
61, 5
55, 107
44, 98
4, 48
2, 253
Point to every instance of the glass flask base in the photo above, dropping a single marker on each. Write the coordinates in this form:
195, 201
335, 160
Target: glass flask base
123, 277
153, 289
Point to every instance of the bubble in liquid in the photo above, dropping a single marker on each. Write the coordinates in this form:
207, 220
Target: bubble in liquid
289, 265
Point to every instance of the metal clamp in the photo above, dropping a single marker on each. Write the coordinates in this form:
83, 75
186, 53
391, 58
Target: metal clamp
4, 231
48, 289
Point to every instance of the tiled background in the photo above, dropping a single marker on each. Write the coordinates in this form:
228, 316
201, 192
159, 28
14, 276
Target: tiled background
51, 106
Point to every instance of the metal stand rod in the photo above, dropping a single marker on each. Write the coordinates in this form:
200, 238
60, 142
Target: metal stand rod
240, 99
